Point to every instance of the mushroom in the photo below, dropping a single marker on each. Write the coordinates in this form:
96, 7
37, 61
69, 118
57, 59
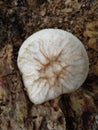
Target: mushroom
52, 62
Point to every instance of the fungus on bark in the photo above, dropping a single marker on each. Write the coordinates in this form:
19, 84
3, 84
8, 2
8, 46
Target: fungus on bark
52, 62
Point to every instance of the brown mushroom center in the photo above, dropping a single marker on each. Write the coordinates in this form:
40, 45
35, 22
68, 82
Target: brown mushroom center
52, 70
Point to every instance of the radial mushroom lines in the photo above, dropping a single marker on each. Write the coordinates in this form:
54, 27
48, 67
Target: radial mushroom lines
52, 62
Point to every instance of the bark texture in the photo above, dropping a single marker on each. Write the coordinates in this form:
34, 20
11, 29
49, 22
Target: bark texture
18, 20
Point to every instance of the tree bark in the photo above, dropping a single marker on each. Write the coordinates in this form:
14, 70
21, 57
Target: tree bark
20, 19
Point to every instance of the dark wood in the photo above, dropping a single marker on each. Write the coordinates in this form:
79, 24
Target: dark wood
20, 19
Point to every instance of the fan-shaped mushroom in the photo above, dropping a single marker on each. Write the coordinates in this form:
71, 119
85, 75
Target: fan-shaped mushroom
52, 62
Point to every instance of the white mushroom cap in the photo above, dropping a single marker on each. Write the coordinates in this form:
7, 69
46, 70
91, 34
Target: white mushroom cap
52, 62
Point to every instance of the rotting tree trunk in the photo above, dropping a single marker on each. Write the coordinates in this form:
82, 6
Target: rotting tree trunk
76, 111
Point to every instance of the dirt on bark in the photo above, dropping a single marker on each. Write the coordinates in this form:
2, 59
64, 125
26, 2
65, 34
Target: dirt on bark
18, 20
